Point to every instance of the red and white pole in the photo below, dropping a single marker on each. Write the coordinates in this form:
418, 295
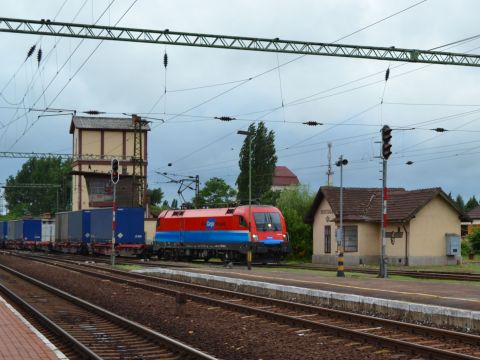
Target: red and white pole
114, 225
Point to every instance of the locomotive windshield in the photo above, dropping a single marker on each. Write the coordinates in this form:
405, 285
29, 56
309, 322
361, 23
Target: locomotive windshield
267, 221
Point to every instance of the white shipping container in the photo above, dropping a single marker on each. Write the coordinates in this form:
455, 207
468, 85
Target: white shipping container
48, 230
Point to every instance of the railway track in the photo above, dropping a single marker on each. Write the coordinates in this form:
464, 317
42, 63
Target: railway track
420, 274
398, 337
86, 329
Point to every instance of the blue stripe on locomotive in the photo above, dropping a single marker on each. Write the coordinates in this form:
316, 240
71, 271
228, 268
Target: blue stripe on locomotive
214, 237
209, 237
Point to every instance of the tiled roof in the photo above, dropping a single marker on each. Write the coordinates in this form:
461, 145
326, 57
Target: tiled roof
364, 204
283, 176
475, 213
102, 123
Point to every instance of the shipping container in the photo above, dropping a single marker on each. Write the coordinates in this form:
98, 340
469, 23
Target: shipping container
3, 230
15, 230
73, 226
48, 230
129, 226
32, 230
101, 225
25, 230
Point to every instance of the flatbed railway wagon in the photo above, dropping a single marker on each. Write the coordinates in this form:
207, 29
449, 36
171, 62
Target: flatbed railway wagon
222, 233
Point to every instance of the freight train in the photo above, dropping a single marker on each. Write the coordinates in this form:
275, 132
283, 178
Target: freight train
226, 233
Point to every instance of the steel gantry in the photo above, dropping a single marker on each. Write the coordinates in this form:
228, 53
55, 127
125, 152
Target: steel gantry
99, 32
31, 155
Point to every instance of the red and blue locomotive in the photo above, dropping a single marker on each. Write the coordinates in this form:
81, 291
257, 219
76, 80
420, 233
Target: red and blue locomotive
222, 233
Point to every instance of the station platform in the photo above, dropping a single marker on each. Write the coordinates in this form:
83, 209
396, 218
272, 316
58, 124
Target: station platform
20, 340
442, 302
455, 294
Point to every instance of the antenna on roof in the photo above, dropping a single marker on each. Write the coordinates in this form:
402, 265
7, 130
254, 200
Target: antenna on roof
329, 171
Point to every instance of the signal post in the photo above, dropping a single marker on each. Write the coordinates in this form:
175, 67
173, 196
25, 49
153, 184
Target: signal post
114, 176
386, 152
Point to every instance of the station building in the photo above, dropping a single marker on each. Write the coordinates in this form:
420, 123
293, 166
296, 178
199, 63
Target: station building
423, 226
96, 141
474, 219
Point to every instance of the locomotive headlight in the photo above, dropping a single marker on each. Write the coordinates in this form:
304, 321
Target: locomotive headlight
255, 237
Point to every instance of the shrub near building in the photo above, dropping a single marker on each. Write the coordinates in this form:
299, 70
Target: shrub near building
294, 203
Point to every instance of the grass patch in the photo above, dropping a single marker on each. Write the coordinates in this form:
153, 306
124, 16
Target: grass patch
128, 267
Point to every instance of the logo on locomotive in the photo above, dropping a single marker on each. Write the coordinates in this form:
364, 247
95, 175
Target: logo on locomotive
210, 224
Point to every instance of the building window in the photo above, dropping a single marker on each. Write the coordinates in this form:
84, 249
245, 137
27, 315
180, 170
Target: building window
328, 239
351, 238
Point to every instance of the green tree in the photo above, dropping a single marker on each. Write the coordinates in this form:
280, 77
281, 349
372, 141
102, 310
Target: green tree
471, 204
35, 201
294, 203
174, 204
264, 160
460, 202
270, 197
216, 192
156, 196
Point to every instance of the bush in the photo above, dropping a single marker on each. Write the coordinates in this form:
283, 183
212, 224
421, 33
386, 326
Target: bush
466, 247
294, 203
474, 240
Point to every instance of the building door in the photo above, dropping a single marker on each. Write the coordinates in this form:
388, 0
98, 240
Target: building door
328, 239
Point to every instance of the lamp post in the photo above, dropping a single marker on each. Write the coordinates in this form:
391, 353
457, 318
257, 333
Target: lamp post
249, 248
341, 236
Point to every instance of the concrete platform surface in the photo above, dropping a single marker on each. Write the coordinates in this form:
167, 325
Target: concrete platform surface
20, 340
455, 294
445, 304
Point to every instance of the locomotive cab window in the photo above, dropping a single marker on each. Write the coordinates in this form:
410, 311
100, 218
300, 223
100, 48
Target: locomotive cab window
267, 221
242, 221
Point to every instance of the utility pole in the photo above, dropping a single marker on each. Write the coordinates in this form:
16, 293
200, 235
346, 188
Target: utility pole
114, 176
385, 154
340, 234
329, 171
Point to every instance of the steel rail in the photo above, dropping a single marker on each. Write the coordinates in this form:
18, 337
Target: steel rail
50, 325
352, 334
172, 344
100, 32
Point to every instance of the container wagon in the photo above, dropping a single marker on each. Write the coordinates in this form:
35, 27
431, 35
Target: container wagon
72, 232
25, 233
222, 233
129, 232
90, 231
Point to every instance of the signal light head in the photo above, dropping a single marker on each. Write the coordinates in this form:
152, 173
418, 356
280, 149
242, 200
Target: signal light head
386, 146
114, 173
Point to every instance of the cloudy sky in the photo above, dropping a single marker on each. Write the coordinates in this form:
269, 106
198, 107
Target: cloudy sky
344, 94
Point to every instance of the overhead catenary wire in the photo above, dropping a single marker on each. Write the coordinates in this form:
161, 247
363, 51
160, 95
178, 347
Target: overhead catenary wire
299, 57
79, 68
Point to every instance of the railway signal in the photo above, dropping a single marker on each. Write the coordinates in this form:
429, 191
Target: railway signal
386, 146
386, 151
114, 175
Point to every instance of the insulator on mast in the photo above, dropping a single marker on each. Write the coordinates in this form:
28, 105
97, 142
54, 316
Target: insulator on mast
165, 60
